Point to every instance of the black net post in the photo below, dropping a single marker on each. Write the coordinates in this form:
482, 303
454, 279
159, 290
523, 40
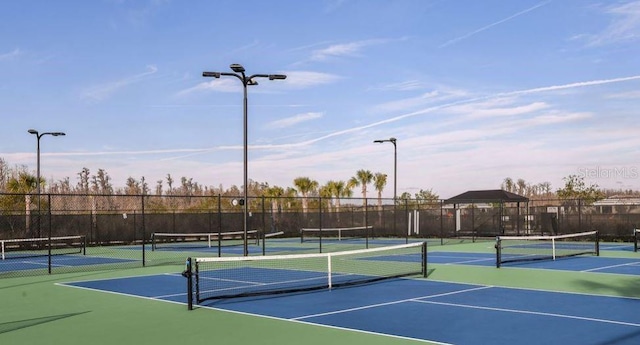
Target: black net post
635, 239
425, 271
498, 252
188, 274
597, 243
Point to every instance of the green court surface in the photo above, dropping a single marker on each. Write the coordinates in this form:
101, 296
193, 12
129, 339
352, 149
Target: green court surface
35, 310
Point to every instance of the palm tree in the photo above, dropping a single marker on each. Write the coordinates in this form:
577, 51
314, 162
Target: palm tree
379, 182
362, 178
305, 186
24, 183
327, 193
273, 194
338, 189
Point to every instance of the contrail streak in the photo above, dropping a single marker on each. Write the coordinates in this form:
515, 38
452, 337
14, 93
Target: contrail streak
455, 40
191, 152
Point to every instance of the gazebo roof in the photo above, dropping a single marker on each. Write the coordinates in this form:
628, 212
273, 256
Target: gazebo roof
492, 195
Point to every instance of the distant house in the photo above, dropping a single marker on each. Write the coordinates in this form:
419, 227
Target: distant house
618, 204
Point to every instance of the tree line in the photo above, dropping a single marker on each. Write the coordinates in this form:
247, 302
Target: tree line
19, 179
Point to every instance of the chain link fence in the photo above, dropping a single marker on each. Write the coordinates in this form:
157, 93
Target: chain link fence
116, 231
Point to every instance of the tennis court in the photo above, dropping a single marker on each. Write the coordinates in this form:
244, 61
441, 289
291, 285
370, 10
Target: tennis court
424, 310
583, 299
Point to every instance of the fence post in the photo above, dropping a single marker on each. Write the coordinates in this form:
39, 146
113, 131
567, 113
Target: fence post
49, 211
144, 262
441, 222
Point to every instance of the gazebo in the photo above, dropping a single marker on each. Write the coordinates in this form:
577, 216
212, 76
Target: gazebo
490, 199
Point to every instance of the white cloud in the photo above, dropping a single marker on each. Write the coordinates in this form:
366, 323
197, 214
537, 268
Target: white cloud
556, 118
303, 79
624, 26
625, 95
345, 49
104, 91
408, 85
215, 84
295, 79
482, 111
294, 120
10, 55
440, 94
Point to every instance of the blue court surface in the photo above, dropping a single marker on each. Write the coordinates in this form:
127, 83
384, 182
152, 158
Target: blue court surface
42, 262
422, 310
584, 263
231, 250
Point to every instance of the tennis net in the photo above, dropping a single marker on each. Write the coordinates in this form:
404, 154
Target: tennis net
185, 241
42, 246
530, 248
227, 277
636, 239
335, 234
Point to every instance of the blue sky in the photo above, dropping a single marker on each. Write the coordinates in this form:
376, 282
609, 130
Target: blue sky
474, 91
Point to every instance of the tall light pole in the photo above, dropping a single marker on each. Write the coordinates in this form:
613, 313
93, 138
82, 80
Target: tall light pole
38, 136
395, 175
238, 72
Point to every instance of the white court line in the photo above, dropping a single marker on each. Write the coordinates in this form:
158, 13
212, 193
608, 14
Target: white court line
517, 311
612, 266
469, 261
466, 259
389, 303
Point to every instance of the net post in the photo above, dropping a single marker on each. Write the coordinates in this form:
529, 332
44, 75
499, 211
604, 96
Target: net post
188, 274
498, 251
635, 239
425, 271
329, 282
597, 243
153, 241
553, 248
84, 245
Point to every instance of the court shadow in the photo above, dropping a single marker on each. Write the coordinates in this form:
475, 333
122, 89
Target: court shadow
624, 339
16, 325
627, 288
53, 278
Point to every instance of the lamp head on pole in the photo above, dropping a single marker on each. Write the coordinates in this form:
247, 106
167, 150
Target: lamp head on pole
211, 74
390, 140
236, 67
55, 134
33, 131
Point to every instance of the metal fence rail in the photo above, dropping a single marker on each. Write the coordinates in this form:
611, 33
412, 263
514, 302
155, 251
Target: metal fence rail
118, 228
